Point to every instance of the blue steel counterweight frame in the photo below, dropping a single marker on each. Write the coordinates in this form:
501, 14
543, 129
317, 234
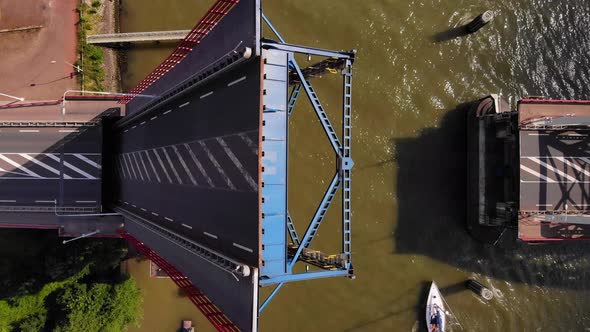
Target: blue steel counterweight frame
342, 177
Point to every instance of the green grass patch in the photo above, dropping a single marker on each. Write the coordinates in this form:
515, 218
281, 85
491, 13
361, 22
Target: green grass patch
92, 57
48, 286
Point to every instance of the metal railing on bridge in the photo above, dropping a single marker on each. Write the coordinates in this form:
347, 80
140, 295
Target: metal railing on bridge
117, 39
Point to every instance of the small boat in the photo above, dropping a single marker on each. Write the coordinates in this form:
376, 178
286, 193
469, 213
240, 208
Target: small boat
435, 310
187, 326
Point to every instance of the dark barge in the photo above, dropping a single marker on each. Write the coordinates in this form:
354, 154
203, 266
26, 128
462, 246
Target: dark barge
529, 169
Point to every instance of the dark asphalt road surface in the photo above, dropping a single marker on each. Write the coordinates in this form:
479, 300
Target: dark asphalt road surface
33, 161
192, 166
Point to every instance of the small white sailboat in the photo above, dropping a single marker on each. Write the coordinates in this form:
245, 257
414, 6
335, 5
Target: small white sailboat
435, 310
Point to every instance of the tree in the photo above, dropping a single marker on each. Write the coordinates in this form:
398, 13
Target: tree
100, 307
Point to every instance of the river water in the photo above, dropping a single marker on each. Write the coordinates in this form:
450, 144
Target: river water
411, 74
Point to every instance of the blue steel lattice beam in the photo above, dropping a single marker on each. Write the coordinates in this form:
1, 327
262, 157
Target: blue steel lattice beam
292, 230
312, 229
293, 99
313, 98
346, 164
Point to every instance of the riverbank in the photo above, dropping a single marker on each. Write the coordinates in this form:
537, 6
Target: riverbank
112, 57
100, 66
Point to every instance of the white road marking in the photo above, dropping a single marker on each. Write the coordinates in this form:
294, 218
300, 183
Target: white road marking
199, 166
133, 205
249, 142
210, 235
127, 203
89, 202
183, 105
67, 131
28, 131
217, 166
169, 219
76, 169
119, 167
238, 164
574, 165
152, 164
153, 118
7, 201
237, 245
11, 172
142, 123
129, 165
155, 214
121, 157
187, 226
81, 157
142, 209
168, 111
45, 201
13, 163
538, 134
171, 165
236, 81
554, 169
188, 171
126, 130
44, 165
162, 165
145, 168
206, 95
137, 163
535, 173
544, 204
133, 127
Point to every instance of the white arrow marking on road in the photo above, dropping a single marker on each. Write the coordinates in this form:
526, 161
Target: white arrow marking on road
217, 166
152, 164
199, 165
237, 163
190, 175
13, 163
76, 169
87, 160
44, 165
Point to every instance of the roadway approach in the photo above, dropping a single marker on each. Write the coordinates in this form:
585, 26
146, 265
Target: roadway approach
195, 174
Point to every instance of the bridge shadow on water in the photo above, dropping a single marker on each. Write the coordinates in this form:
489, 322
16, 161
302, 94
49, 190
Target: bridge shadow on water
431, 191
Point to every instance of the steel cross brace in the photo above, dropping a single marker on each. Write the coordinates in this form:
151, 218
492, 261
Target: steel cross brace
312, 229
342, 150
313, 98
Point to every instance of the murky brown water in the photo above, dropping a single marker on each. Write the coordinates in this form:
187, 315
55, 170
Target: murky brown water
408, 181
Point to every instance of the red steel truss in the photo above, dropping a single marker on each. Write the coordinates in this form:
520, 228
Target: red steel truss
202, 29
210, 310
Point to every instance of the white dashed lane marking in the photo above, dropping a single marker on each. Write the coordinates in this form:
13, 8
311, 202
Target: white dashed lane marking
206, 95
236, 81
237, 245
169, 219
187, 226
210, 235
183, 105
